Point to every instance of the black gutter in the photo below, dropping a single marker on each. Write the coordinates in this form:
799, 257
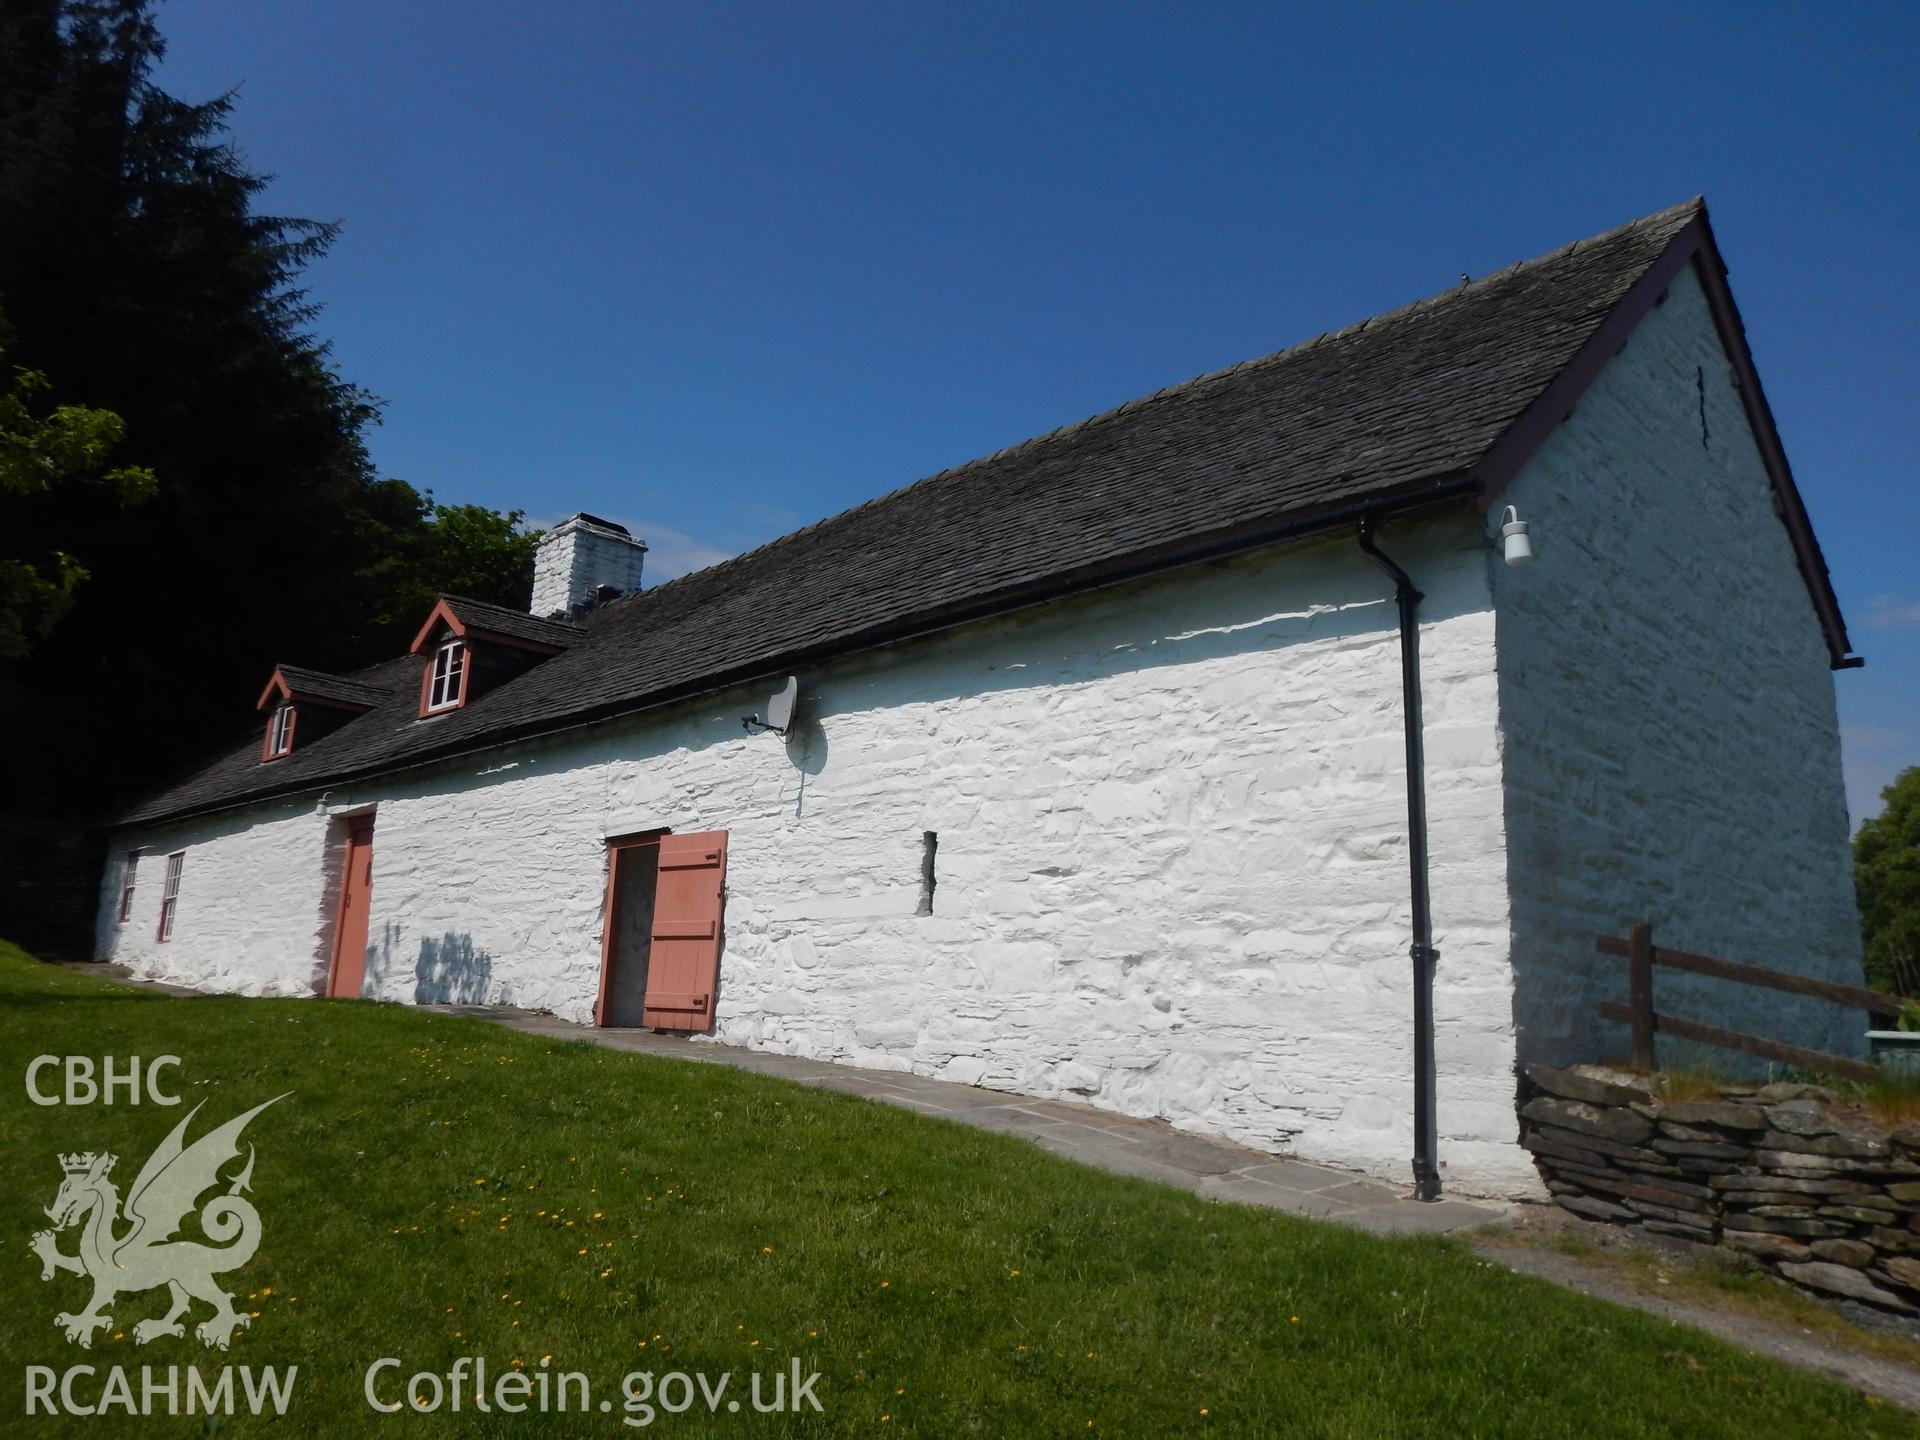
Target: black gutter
1426, 1142
1224, 544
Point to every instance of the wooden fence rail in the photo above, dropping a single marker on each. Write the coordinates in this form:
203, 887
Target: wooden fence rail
1644, 1022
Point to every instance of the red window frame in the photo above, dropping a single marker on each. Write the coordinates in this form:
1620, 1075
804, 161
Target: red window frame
280, 728
444, 686
170, 896
127, 874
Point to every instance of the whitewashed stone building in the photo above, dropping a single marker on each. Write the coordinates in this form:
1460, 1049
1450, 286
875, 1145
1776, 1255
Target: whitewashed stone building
1097, 784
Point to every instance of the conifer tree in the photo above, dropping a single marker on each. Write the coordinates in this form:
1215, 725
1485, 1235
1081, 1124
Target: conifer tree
139, 278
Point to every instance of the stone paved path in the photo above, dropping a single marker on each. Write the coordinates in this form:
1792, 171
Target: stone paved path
1152, 1149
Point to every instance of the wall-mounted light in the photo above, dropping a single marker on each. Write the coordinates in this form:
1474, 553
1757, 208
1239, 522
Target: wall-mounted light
1514, 544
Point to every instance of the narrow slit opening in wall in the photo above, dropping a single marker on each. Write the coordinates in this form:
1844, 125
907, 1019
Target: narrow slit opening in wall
929, 847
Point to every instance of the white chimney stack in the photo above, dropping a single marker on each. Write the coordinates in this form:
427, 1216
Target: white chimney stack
579, 559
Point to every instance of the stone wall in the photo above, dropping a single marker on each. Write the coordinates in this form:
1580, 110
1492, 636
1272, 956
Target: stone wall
1671, 752
1809, 1185
255, 913
1171, 874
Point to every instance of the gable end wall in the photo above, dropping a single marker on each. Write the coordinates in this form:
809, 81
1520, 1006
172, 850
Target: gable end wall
1672, 750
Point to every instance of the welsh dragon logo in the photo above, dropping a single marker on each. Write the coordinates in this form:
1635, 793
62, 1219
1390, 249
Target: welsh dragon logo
144, 1255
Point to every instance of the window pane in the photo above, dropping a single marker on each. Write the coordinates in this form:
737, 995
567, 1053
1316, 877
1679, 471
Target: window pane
448, 663
170, 893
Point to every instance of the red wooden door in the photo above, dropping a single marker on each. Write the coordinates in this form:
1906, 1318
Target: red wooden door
683, 969
350, 935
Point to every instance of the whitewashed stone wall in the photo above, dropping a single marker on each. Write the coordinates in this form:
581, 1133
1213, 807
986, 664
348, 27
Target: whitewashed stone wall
255, 912
1672, 751
1172, 864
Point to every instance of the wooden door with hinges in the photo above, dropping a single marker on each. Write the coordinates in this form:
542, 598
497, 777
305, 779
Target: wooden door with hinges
683, 965
350, 931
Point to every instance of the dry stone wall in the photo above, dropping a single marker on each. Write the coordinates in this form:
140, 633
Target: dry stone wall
1809, 1185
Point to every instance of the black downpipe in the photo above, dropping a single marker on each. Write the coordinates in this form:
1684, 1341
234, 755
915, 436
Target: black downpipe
1426, 1141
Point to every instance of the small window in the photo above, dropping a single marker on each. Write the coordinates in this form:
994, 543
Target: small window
280, 733
170, 896
447, 686
126, 885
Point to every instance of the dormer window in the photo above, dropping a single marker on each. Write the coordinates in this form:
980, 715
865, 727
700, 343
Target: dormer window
447, 682
304, 706
470, 647
280, 732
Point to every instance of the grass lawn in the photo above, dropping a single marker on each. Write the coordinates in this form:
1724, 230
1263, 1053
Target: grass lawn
437, 1188
1727, 1281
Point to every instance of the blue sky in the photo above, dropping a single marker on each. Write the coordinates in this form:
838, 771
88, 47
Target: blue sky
721, 270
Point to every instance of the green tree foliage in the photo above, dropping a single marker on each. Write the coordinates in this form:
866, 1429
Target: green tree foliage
1886, 877
424, 549
69, 445
136, 273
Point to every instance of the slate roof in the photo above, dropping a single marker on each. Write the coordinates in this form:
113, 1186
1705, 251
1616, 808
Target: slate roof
514, 624
319, 685
1378, 411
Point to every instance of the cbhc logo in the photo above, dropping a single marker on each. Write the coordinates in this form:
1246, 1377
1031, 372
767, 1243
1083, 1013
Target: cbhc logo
82, 1088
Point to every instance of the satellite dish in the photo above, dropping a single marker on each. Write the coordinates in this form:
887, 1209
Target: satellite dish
780, 709
780, 705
